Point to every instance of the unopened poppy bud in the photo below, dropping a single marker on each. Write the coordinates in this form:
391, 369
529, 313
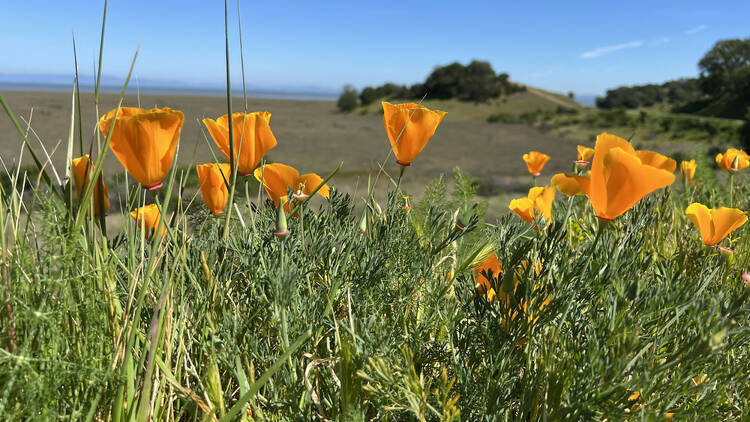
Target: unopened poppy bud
281, 228
363, 222
463, 219
736, 163
378, 209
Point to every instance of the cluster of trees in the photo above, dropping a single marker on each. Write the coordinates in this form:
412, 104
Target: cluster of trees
676, 92
476, 82
722, 88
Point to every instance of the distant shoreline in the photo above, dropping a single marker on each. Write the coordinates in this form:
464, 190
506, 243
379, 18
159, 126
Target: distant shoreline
152, 90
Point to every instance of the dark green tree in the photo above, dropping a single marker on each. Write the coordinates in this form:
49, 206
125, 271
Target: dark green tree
348, 99
725, 68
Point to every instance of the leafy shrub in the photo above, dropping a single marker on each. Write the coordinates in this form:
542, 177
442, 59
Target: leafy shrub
348, 99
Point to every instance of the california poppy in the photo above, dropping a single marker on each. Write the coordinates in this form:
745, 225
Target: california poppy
687, 172
492, 267
409, 127
144, 141
535, 161
715, 224
81, 170
251, 134
618, 178
654, 159
585, 153
277, 178
733, 160
213, 179
149, 217
537, 204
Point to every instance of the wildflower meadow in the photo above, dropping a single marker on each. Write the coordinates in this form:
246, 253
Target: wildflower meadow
616, 291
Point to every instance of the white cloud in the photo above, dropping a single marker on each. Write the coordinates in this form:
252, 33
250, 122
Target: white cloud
597, 52
660, 40
695, 30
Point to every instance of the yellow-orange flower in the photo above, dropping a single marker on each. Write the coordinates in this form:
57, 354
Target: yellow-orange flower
492, 267
585, 153
277, 178
537, 204
251, 134
535, 161
81, 170
654, 159
733, 160
687, 171
618, 178
213, 179
144, 141
148, 217
409, 127
715, 224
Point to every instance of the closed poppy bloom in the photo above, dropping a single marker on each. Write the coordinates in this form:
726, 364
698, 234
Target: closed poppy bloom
144, 141
278, 178
654, 159
535, 161
213, 179
538, 204
148, 217
81, 170
251, 134
618, 178
585, 153
733, 160
687, 172
409, 127
715, 224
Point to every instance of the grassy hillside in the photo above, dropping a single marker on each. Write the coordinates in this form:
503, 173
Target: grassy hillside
531, 100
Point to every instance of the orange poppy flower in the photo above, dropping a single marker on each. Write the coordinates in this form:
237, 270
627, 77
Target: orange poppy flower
149, 217
409, 127
252, 138
535, 161
213, 179
81, 170
654, 159
585, 153
618, 178
144, 141
492, 267
687, 172
733, 160
277, 178
537, 204
715, 224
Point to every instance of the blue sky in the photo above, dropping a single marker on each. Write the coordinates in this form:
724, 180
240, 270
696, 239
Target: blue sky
584, 47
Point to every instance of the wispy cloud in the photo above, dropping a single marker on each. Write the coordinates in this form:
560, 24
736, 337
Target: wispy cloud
660, 40
696, 30
597, 52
